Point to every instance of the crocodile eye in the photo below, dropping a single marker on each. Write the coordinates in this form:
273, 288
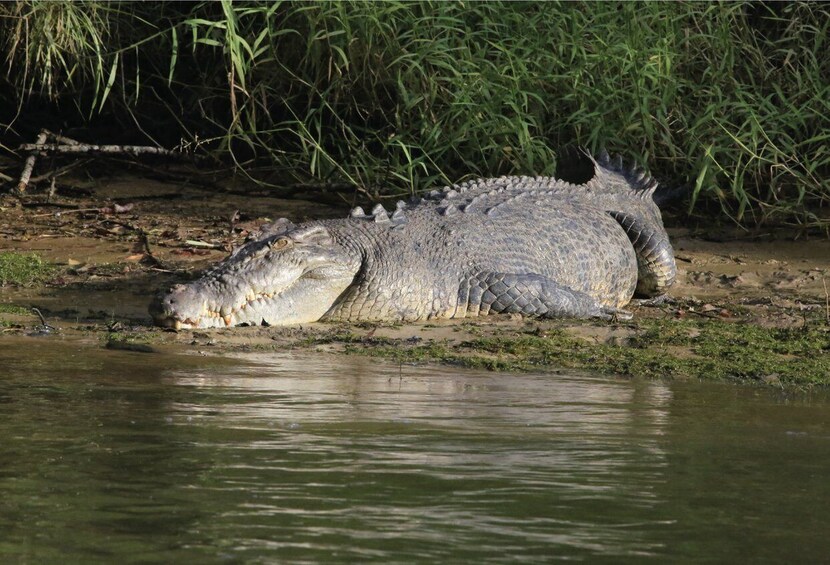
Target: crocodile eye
280, 243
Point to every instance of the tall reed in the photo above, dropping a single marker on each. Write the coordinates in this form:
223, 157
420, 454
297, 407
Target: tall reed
731, 99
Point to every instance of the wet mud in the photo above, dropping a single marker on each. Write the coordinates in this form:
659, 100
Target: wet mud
110, 260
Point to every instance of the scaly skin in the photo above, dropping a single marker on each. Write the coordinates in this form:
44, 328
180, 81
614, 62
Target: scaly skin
534, 246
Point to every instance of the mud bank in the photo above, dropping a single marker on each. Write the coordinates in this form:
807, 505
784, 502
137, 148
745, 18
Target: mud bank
753, 309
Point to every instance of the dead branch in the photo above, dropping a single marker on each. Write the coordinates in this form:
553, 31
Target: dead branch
30, 164
62, 145
63, 140
83, 149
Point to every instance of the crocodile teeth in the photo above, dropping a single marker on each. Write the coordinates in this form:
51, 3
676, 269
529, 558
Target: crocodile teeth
357, 212
227, 320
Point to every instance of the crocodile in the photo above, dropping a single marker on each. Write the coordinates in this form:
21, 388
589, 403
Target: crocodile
536, 246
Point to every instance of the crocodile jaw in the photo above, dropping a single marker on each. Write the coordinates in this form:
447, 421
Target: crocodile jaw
198, 305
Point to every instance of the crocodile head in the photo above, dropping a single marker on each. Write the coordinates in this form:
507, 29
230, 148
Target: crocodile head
290, 277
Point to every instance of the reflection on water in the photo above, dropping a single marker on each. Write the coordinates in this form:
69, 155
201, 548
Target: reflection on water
302, 457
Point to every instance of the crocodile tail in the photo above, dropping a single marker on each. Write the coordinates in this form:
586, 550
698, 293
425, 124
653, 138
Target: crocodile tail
655, 258
656, 268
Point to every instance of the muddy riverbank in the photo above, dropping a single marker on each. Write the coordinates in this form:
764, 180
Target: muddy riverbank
751, 307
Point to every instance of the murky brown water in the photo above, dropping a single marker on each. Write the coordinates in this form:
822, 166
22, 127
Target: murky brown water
117, 456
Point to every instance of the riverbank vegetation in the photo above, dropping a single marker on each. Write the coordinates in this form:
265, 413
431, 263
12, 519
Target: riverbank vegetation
23, 269
730, 99
653, 348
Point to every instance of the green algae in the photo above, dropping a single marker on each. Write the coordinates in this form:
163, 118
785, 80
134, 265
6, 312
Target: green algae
699, 349
14, 309
740, 351
132, 341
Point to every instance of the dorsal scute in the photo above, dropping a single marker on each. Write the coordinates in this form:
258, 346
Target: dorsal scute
472, 188
379, 215
611, 179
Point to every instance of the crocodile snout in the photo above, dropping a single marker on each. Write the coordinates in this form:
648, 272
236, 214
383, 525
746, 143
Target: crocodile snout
163, 308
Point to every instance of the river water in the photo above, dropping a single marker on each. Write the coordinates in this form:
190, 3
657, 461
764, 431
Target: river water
114, 456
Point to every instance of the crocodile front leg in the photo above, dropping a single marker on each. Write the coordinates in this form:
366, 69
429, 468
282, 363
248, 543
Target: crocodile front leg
529, 295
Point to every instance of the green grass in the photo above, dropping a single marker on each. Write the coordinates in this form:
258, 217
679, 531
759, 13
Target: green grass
23, 269
729, 98
14, 309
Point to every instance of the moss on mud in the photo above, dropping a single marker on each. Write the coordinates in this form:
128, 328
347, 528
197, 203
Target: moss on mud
23, 269
710, 349
14, 309
10, 313
130, 341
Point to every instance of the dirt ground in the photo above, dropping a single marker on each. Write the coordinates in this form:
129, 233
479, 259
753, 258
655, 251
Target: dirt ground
116, 240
